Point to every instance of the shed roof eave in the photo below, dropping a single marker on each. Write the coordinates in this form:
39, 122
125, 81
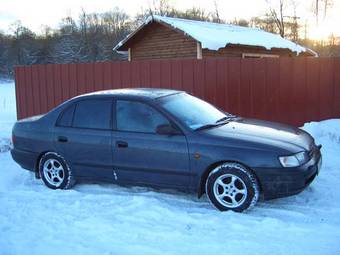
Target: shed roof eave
120, 46
122, 52
270, 41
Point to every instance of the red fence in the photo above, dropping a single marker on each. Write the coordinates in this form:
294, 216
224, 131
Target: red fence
290, 90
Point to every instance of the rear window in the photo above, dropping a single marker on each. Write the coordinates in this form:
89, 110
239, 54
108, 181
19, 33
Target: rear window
66, 117
95, 114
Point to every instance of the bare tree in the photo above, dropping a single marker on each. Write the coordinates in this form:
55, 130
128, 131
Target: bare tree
293, 24
115, 21
277, 16
194, 13
23, 46
241, 22
316, 11
164, 8
68, 49
318, 6
266, 23
68, 26
216, 15
83, 26
160, 7
327, 4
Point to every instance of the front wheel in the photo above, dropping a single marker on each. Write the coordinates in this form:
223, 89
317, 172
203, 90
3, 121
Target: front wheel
231, 186
55, 172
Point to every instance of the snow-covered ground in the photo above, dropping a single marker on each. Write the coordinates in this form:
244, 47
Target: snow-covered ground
107, 219
7, 113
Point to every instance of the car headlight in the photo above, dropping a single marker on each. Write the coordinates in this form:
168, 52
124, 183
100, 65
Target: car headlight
294, 160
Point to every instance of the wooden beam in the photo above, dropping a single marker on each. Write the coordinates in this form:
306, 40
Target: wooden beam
129, 54
199, 50
257, 55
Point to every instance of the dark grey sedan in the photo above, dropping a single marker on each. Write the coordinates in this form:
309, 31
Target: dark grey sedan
166, 139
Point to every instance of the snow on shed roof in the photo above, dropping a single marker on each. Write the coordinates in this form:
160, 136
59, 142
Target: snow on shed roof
214, 36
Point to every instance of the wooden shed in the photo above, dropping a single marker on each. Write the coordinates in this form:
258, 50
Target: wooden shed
164, 37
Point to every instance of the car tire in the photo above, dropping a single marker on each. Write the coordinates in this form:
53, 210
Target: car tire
232, 186
55, 172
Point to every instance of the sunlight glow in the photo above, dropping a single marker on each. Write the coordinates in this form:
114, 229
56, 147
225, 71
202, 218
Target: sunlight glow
322, 31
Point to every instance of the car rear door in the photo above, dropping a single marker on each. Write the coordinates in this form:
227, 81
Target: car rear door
140, 156
83, 136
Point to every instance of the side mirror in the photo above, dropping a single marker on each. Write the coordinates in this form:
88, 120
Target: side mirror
167, 129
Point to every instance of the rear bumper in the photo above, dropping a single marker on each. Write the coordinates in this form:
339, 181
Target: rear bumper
25, 159
283, 182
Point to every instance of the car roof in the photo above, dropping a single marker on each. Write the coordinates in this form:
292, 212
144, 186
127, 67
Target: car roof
140, 93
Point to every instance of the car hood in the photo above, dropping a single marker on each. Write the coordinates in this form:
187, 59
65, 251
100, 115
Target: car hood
267, 132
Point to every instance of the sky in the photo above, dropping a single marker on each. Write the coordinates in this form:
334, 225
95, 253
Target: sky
36, 13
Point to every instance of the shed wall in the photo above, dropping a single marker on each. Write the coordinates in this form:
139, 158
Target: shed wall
158, 41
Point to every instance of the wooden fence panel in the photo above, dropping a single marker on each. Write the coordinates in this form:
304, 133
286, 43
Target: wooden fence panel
234, 85
26, 92
210, 80
289, 90
272, 88
176, 74
246, 101
336, 88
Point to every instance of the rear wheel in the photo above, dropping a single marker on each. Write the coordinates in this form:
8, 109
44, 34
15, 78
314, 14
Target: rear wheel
55, 172
231, 186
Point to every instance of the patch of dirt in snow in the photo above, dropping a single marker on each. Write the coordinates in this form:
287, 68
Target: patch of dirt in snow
5, 144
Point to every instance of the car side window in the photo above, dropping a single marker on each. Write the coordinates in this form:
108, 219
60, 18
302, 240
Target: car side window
138, 117
66, 117
93, 113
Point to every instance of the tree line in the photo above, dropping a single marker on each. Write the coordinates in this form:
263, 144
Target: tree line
92, 36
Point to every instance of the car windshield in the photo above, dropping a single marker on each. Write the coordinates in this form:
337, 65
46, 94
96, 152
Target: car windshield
193, 112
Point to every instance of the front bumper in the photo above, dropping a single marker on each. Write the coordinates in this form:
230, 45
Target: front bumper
282, 182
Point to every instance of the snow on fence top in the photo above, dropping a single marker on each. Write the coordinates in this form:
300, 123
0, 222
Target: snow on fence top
214, 36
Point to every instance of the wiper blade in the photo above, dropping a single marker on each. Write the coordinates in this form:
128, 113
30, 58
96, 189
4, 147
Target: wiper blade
222, 119
226, 118
207, 126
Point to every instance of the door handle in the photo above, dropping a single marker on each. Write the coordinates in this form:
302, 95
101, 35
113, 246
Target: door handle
62, 139
121, 144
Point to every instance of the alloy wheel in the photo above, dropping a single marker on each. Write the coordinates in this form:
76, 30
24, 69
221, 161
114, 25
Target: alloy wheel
54, 172
230, 190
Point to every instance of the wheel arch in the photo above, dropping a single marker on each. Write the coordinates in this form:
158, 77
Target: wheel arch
204, 176
37, 163
70, 180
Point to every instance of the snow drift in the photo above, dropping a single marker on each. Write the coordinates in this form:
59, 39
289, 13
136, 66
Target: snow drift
7, 113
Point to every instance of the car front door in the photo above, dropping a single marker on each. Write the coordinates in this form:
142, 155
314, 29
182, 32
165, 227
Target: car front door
83, 136
140, 155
